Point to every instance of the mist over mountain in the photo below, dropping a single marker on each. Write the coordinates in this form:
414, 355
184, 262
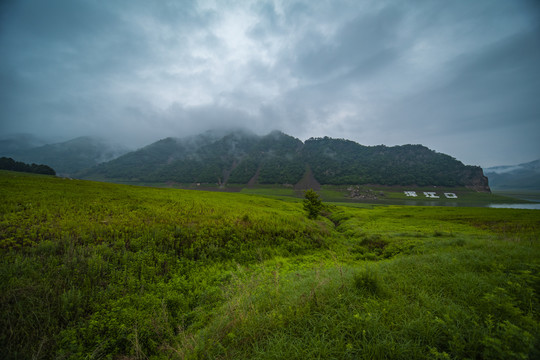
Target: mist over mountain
522, 176
19, 142
68, 157
242, 157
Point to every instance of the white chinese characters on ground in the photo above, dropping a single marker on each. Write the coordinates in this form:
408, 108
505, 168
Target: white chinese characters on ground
431, 194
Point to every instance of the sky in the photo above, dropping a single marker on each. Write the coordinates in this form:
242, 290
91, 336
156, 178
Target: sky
461, 77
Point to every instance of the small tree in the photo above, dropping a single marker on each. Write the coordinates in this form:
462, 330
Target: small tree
312, 204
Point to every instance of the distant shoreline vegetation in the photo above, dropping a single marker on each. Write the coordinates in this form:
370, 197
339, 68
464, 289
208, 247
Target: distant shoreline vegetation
10, 164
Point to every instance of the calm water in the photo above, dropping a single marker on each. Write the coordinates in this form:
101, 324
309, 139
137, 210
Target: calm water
535, 206
517, 206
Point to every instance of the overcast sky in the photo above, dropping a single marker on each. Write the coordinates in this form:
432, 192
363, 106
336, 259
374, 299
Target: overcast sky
461, 77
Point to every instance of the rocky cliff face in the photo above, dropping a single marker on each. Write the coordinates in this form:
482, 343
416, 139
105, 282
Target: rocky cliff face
475, 179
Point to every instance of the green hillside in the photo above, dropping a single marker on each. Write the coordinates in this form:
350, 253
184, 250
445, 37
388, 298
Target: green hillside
104, 271
245, 158
338, 161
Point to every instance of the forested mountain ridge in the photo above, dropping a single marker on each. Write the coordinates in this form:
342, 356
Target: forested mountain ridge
337, 161
234, 157
68, 157
241, 157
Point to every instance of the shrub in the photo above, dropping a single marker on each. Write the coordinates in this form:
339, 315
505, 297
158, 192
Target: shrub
312, 204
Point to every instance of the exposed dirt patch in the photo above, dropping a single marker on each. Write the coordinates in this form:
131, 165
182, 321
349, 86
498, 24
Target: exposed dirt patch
253, 181
356, 192
308, 181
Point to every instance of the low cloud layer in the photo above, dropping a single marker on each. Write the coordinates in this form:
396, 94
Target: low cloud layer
460, 77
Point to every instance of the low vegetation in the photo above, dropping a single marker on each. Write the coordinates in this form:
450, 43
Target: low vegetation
103, 271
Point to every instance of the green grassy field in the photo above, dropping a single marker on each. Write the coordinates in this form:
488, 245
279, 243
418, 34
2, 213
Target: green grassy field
395, 195
389, 195
104, 271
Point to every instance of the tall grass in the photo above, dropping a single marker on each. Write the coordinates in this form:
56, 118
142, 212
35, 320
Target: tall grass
459, 303
94, 270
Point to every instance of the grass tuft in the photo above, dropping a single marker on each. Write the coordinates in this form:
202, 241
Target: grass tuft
367, 281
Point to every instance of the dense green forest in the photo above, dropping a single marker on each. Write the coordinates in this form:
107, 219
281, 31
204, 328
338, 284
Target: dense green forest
339, 161
240, 158
10, 164
94, 270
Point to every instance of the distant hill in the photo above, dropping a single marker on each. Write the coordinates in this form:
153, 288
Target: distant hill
515, 177
19, 142
242, 157
68, 157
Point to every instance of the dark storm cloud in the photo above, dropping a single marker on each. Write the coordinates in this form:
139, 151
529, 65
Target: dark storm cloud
362, 46
457, 76
490, 92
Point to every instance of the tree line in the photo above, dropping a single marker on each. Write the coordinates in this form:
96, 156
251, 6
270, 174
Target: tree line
10, 164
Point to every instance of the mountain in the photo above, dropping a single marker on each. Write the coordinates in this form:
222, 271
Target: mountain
523, 176
241, 157
19, 142
338, 161
69, 157
234, 158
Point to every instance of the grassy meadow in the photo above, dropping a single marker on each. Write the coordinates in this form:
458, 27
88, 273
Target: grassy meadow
93, 270
379, 194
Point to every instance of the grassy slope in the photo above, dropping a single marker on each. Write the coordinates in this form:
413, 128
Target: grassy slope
95, 270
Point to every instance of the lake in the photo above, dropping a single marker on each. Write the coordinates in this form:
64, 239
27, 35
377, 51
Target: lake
535, 206
529, 206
